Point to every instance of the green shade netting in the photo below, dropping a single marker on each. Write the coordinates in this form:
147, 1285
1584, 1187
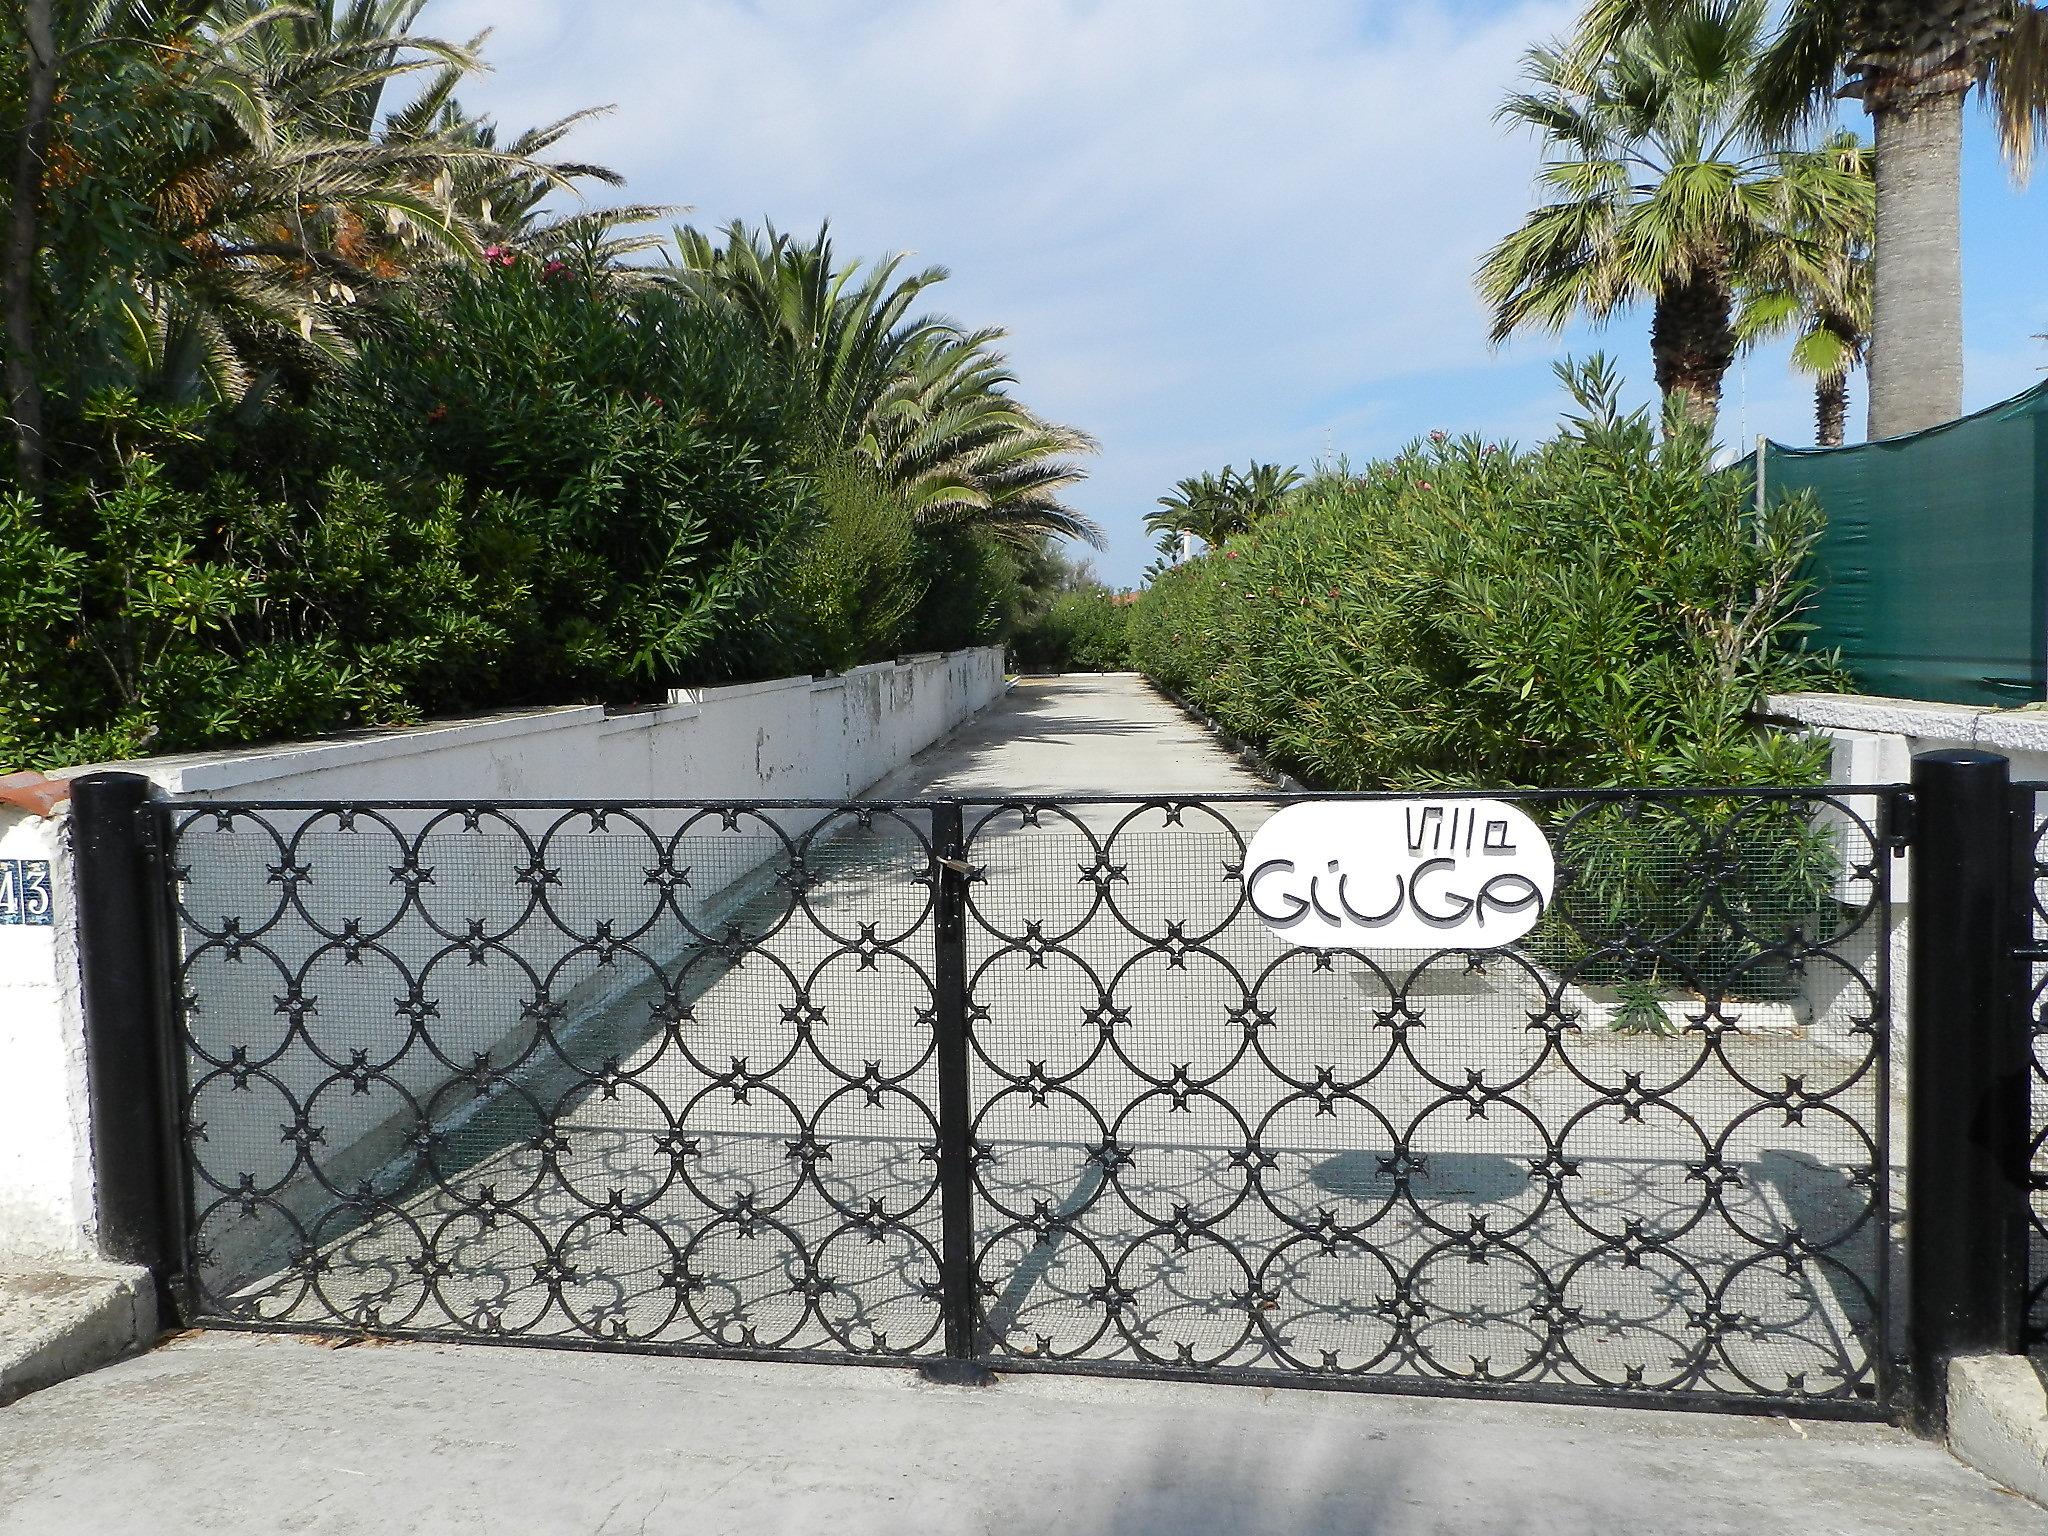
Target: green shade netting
1934, 568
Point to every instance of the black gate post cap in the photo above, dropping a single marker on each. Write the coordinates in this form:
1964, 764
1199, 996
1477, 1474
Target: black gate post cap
1961, 757
108, 792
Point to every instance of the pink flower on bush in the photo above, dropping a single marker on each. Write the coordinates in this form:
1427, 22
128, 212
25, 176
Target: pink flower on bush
1439, 435
554, 271
500, 255
1424, 485
1230, 554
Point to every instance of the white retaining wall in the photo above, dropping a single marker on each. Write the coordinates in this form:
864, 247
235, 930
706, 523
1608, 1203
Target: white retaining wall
46, 1180
789, 739
1874, 742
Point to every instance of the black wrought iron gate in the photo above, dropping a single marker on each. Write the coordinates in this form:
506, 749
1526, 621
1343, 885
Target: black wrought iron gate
1026, 1084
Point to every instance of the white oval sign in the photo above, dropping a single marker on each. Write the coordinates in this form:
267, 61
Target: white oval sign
1399, 874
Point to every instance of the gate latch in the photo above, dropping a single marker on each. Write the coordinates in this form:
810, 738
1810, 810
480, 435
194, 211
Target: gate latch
1895, 820
959, 867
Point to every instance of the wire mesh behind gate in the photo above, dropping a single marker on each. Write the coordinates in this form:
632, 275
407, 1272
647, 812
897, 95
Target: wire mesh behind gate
675, 1077
2033, 804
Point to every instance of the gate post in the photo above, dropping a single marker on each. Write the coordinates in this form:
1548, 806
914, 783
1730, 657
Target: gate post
1967, 1062
959, 1301
118, 951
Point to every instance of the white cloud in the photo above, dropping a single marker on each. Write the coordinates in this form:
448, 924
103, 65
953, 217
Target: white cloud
1202, 222
1214, 228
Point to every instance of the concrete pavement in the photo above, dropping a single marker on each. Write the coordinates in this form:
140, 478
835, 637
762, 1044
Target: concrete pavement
1085, 734
228, 1433
224, 1435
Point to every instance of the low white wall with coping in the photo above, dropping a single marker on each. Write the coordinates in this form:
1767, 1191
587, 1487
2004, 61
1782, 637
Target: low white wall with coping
1874, 743
794, 738
46, 1174
1877, 739
787, 739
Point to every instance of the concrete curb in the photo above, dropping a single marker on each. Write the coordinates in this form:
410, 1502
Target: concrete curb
1998, 1420
59, 1323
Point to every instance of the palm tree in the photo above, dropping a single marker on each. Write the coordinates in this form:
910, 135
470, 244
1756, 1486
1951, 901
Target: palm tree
917, 398
1662, 191
963, 451
1212, 507
503, 196
1817, 290
1911, 63
1198, 505
221, 191
848, 337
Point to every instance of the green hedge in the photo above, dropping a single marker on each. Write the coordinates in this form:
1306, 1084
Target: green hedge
1602, 609
1088, 630
525, 487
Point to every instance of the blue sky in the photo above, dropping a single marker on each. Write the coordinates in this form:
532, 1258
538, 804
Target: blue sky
1214, 230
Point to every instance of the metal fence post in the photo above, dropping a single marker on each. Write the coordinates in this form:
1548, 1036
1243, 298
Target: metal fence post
959, 1299
117, 959
1966, 1086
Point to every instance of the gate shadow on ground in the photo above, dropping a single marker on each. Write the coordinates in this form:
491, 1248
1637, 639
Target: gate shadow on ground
382, 1167
1225, 1483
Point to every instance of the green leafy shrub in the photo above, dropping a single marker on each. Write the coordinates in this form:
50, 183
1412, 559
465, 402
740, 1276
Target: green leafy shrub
1701, 895
972, 591
165, 620
39, 594
1600, 610
1086, 630
849, 586
639, 434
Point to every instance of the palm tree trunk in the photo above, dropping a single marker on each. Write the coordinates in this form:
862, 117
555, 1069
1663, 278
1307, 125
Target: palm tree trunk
1916, 333
17, 283
1830, 408
1692, 342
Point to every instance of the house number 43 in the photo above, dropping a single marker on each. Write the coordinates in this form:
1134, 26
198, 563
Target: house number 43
25, 893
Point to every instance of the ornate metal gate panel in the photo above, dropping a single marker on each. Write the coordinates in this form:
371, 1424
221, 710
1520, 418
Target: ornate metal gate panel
657, 1076
2032, 801
1027, 1083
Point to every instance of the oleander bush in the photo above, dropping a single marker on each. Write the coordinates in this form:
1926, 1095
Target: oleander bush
526, 484
643, 440
1603, 609
1084, 630
146, 618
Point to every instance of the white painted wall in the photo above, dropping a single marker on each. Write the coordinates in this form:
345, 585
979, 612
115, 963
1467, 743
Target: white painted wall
794, 738
788, 739
46, 1203
1875, 741
1882, 736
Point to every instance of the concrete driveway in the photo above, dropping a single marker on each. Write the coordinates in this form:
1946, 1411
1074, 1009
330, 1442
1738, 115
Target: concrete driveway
224, 1433
229, 1434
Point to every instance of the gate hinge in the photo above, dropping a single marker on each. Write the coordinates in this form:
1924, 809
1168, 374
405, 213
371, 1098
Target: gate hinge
1896, 820
147, 836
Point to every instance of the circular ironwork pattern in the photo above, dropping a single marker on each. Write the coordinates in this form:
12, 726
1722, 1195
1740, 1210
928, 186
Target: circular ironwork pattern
2036, 1323
572, 1071
1220, 1153
672, 1077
